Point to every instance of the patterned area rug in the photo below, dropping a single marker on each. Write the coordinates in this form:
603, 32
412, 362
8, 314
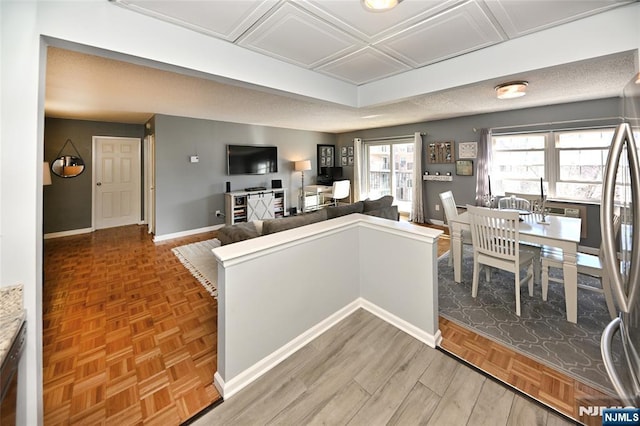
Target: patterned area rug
541, 332
199, 260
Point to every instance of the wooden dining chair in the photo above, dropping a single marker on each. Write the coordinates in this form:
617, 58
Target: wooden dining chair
496, 243
515, 203
451, 212
588, 264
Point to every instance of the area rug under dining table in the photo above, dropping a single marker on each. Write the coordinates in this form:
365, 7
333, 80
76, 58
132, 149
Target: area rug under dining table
541, 331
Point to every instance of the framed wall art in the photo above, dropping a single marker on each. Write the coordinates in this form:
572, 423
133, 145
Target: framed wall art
326, 156
440, 152
464, 168
467, 150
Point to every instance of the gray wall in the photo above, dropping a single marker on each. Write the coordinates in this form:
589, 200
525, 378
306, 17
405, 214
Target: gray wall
467, 129
67, 201
188, 194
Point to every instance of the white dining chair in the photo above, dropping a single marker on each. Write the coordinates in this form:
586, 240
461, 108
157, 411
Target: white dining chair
515, 203
496, 243
451, 212
339, 191
588, 264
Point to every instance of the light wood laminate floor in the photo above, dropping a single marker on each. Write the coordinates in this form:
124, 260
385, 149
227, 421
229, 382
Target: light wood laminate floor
364, 371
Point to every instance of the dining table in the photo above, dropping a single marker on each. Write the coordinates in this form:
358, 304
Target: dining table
556, 231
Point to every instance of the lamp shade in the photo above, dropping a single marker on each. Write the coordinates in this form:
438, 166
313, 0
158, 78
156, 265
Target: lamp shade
46, 174
302, 165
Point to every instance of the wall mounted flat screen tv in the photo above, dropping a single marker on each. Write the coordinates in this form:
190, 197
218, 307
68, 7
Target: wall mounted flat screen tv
252, 159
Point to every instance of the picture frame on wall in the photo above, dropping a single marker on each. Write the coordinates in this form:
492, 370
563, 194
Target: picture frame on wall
464, 167
326, 156
467, 150
343, 161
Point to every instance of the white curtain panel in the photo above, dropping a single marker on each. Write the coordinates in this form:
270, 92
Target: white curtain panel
483, 165
417, 205
357, 169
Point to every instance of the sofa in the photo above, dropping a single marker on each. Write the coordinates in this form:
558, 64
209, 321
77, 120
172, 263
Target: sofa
381, 207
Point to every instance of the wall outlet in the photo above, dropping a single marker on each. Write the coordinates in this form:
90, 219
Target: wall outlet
437, 207
218, 213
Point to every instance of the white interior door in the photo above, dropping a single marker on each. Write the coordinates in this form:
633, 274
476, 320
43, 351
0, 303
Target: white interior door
116, 165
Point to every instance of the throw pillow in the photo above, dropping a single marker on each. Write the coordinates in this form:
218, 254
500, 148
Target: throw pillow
238, 232
337, 211
390, 213
378, 204
271, 226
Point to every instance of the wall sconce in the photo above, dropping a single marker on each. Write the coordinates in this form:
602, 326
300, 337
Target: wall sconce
514, 89
46, 174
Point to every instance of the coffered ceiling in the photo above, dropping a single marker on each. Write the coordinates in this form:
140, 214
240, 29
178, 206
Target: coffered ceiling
341, 40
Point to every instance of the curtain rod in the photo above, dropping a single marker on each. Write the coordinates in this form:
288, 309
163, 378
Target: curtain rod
555, 123
391, 137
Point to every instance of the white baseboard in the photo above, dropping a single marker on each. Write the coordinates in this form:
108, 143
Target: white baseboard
426, 338
68, 233
236, 384
233, 386
159, 238
437, 222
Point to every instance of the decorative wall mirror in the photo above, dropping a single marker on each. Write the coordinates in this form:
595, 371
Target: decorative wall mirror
67, 166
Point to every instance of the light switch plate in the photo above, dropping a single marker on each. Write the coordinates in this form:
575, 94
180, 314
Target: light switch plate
194, 159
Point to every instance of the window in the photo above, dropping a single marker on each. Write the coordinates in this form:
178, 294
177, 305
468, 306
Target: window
582, 157
518, 163
572, 163
382, 180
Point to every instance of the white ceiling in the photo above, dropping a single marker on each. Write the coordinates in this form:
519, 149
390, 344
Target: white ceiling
339, 39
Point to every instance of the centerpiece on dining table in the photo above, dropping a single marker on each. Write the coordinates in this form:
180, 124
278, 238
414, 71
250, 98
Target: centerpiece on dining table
539, 207
488, 199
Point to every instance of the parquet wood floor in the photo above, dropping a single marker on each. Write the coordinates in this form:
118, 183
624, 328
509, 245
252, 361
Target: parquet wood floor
129, 335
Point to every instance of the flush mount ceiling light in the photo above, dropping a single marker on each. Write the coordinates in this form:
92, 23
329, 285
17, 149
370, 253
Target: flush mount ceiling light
513, 89
379, 5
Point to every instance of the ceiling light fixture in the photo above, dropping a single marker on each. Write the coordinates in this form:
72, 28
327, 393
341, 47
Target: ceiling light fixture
379, 5
513, 89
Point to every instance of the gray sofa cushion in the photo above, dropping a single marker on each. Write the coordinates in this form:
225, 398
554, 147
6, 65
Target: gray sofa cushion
378, 204
271, 226
390, 212
238, 232
337, 211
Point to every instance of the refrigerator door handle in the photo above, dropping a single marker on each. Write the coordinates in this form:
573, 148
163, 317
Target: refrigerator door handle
627, 395
626, 298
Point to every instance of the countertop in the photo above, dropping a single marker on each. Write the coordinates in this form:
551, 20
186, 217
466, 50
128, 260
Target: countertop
12, 315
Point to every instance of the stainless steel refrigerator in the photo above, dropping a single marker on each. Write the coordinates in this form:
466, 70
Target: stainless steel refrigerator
620, 344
